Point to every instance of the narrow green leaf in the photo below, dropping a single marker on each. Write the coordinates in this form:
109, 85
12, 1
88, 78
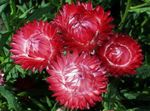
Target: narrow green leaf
143, 72
38, 13
12, 101
123, 19
21, 94
2, 7
131, 95
24, 15
12, 7
37, 103
138, 109
140, 10
147, 1
109, 97
5, 20
21, 8
3, 2
19, 69
4, 32
48, 102
54, 107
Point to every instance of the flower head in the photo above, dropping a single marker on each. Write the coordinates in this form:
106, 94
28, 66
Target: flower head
35, 45
83, 26
77, 80
1, 78
102, 18
121, 55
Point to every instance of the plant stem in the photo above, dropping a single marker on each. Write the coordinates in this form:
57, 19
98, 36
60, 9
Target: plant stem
138, 6
12, 7
125, 14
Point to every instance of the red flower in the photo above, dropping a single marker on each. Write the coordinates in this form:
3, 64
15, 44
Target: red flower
77, 80
83, 26
35, 45
121, 55
102, 18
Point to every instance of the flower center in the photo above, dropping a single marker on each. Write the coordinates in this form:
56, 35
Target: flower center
78, 79
118, 55
82, 28
37, 46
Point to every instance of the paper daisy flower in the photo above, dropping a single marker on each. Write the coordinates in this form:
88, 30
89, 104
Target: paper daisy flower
35, 45
83, 26
121, 55
77, 80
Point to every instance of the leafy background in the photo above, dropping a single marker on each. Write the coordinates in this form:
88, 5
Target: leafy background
28, 91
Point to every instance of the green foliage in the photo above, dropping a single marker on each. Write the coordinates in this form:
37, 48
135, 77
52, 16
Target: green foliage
112, 99
124, 94
11, 99
143, 72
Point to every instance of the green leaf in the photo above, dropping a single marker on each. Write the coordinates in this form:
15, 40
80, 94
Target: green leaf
38, 13
140, 10
37, 103
21, 8
5, 20
143, 72
119, 106
109, 97
147, 1
48, 102
11, 99
131, 95
138, 109
2, 7
145, 39
3, 2
19, 69
54, 107
68, 1
24, 15
12, 7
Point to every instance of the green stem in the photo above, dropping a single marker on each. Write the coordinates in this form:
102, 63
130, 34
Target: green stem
12, 7
125, 14
144, 22
138, 6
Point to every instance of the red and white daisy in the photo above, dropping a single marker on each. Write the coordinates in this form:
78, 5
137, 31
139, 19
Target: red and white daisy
121, 55
35, 45
83, 26
77, 80
102, 18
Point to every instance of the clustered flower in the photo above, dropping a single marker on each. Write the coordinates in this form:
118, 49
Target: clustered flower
78, 49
